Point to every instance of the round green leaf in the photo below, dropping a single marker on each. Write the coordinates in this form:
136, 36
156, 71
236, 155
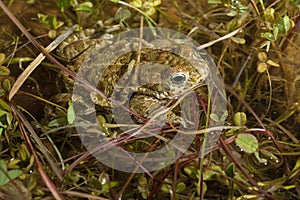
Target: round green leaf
247, 142
2, 58
180, 187
269, 36
6, 84
240, 118
166, 188
4, 71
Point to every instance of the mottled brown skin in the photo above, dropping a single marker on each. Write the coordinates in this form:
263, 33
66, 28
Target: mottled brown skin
144, 79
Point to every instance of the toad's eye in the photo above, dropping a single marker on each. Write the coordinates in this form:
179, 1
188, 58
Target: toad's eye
179, 78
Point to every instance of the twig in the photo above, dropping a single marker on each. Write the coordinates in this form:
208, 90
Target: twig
33, 65
213, 34
237, 78
229, 35
22, 120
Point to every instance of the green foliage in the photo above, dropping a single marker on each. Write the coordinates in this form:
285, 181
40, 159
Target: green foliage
247, 142
64, 4
295, 2
143, 186
144, 7
236, 7
5, 175
217, 118
4, 71
6, 117
86, 7
270, 26
276, 27
214, 1
240, 118
148, 6
5, 86
230, 170
81, 9
50, 22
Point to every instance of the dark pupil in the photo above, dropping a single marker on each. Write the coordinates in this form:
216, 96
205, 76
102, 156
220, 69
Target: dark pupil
178, 79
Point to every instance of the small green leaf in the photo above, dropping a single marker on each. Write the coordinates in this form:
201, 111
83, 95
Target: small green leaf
2, 92
261, 67
238, 40
3, 176
214, 1
23, 152
3, 166
2, 58
232, 13
115, 1
122, 14
57, 122
247, 142
102, 123
269, 36
272, 63
224, 116
4, 71
166, 188
284, 24
42, 18
136, 3
2, 113
260, 160
85, 7
214, 117
240, 119
6, 84
71, 113
275, 32
295, 170
14, 173
212, 173
180, 187
105, 187
113, 184
230, 170
52, 34
14, 164
295, 2
190, 171
155, 3
267, 153
4, 106
262, 56
142, 180
269, 14
54, 23
64, 4
9, 118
